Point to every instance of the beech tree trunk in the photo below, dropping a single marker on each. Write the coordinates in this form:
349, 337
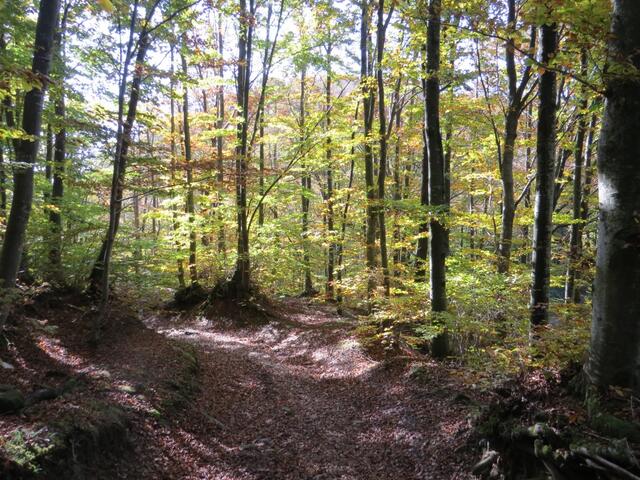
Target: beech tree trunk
438, 245
306, 190
3, 185
422, 249
512, 117
545, 148
241, 280
222, 243
614, 357
343, 219
173, 167
190, 202
58, 167
331, 252
382, 133
99, 278
571, 293
27, 149
368, 109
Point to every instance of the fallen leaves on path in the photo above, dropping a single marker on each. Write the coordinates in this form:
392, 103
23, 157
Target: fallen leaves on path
299, 399
296, 398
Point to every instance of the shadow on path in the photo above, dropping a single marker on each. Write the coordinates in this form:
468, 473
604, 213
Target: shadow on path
299, 399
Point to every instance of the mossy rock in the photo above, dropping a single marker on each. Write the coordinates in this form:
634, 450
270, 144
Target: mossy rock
612, 426
190, 296
76, 445
11, 400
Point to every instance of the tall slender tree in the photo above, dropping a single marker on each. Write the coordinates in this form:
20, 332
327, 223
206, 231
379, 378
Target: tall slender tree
571, 293
545, 168
381, 31
438, 241
99, 278
305, 181
59, 158
241, 280
422, 246
517, 102
27, 149
188, 158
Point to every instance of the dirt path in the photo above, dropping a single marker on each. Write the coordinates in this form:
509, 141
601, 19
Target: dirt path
298, 399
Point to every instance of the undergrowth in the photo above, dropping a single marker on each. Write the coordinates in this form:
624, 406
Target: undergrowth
487, 322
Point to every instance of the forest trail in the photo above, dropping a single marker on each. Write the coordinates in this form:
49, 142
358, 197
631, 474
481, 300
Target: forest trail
299, 399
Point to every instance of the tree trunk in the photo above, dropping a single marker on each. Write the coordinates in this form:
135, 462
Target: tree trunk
382, 133
345, 212
512, 117
331, 252
545, 163
190, 203
222, 247
438, 246
58, 167
306, 191
525, 257
588, 174
173, 167
571, 293
260, 113
615, 329
422, 249
261, 170
27, 150
99, 278
368, 106
241, 281
3, 186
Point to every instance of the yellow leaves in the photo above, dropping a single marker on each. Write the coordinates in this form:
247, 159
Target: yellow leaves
106, 5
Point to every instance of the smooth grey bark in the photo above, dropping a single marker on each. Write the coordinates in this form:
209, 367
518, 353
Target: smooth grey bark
26, 149
438, 241
614, 357
588, 167
545, 163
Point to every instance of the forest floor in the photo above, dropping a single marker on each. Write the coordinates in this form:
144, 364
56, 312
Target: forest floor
291, 397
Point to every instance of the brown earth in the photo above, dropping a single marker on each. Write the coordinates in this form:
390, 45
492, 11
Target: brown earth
294, 398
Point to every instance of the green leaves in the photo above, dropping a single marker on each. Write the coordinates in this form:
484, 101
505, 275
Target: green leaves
106, 5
